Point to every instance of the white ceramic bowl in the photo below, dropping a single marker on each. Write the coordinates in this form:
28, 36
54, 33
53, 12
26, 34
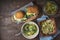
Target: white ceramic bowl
32, 36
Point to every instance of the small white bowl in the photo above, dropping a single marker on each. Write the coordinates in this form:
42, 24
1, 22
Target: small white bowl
32, 36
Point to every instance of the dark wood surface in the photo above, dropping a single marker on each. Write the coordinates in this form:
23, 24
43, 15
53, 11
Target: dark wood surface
8, 29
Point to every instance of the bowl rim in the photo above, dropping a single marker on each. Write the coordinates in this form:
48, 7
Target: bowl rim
32, 36
45, 5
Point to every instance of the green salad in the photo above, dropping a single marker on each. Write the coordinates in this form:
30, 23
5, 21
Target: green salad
50, 8
29, 29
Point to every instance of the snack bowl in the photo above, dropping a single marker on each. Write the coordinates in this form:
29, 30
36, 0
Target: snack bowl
30, 36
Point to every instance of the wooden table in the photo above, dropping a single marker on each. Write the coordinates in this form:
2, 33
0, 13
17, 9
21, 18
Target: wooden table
9, 29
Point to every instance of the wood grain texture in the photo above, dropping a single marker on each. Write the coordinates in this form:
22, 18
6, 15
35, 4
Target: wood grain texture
8, 30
